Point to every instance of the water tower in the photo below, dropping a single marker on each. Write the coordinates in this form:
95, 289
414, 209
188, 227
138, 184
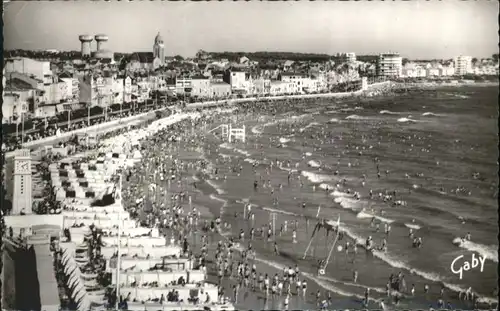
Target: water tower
85, 40
100, 39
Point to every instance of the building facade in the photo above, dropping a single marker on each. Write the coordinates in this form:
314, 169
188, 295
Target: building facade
463, 65
200, 87
389, 65
220, 90
29, 67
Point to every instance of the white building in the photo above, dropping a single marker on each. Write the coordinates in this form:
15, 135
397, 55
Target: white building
281, 88
237, 79
347, 57
30, 67
463, 65
298, 82
389, 65
447, 71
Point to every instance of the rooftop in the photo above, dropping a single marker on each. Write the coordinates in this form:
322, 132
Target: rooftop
142, 57
49, 293
15, 84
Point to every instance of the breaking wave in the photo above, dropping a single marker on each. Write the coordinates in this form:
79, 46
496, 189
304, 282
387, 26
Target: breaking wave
490, 252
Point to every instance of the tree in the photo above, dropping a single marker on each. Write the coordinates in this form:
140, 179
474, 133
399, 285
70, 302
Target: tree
495, 57
474, 60
178, 58
405, 61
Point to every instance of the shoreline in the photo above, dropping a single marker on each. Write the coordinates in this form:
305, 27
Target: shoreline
375, 89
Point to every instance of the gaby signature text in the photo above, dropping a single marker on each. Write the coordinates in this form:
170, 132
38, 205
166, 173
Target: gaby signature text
460, 265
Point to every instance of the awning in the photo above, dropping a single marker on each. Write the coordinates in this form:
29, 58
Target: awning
67, 107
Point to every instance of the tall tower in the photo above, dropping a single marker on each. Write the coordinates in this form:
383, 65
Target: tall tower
159, 48
85, 40
22, 197
100, 39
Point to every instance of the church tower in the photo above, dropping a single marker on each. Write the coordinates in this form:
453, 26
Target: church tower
22, 196
159, 49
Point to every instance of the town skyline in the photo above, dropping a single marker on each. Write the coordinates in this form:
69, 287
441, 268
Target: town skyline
408, 28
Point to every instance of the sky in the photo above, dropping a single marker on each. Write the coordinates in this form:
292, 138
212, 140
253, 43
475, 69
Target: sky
415, 29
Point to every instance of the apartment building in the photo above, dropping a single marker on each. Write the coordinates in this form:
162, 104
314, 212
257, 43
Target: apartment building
200, 86
12, 108
29, 67
389, 65
297, 82
463, 65
97, 90
220, 90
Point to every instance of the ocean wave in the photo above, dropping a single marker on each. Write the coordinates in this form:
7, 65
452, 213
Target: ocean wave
216, 198
349, 203
405, 120
292, 170
374, 289
308, 154
356, 117
279, 211
364, 214
333, 120
317, 178
314, 164
490, 252
331, 112
213, 185
430, 114
284, 140
397, 263
229, 147
388, 112
308, 126
413, 226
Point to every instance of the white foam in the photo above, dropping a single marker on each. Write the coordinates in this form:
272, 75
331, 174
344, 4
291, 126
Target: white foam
309, 125
314, 164
284, 140
229, 147
355, 117
396, 263
308, 154
252, 161
413, 226
430, 114
213, 185
491, 252
317, 178
333, 120
387, 112
216, 198
404, 120
364, 214
269, 209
